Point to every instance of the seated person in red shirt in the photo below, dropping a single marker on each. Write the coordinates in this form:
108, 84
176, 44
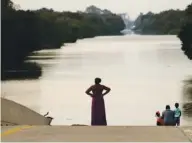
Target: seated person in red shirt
159, 119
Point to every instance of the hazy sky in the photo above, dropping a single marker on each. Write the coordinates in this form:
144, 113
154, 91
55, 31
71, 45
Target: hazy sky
132, 7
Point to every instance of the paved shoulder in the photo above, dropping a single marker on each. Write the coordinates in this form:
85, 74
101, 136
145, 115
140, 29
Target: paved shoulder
98, 134
187, 131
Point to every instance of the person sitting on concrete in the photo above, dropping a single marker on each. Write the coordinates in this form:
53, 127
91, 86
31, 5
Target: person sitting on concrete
159, 119
168, 116
177, 114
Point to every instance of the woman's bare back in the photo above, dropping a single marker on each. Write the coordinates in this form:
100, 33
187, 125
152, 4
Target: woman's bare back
97, 90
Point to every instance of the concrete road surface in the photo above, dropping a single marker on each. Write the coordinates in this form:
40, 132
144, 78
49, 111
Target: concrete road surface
96, 134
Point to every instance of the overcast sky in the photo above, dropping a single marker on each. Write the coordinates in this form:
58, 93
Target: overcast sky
132, 7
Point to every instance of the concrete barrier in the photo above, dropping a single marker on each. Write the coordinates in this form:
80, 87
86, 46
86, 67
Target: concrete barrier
17, 114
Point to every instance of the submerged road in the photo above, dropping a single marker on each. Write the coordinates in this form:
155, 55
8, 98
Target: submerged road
96, 134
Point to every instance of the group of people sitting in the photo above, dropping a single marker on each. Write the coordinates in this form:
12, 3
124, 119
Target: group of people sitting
169, 117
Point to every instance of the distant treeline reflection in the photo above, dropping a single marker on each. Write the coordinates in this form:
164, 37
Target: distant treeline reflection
26, 70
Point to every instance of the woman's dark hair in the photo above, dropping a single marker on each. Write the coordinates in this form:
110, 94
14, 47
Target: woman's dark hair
168, 107
97, 80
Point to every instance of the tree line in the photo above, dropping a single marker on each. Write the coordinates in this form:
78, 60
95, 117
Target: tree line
185, 34
169, 22
26, 31
163, 23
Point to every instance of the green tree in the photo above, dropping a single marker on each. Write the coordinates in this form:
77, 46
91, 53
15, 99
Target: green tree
165, 22
185, 34
26, 31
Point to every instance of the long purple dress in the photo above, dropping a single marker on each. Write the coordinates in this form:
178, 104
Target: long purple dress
98, 116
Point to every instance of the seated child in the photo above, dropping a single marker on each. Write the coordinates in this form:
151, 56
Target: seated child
159, 119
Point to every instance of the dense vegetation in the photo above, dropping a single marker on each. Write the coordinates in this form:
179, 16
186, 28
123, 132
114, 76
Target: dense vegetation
187, 96
173, 22
26, 31
166, 22
185, 34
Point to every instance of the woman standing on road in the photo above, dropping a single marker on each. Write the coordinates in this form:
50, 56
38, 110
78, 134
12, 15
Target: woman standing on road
98, 116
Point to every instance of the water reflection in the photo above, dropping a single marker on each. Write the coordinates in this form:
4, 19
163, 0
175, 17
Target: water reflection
27, 70
32, 67
187, 95
144, 72
25, 92
46, 59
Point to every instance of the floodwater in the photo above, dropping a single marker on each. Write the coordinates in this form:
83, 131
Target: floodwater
144, 72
